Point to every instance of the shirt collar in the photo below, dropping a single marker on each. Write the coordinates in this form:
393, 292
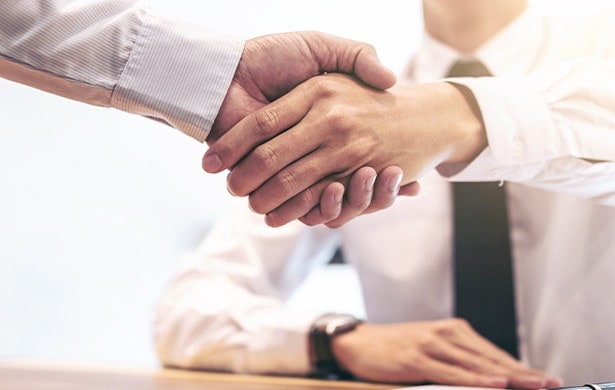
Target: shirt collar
526, 34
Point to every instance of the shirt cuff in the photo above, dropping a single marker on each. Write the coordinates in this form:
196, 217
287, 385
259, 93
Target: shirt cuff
519, 127
178, 73
279, 343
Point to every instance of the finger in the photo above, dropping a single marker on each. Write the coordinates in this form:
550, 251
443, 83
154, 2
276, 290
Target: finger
314, 216
528, 379
335, 54
465, 336
329, 208
255, 129
269, 158
369, 69
447, 374
519, 375
553, 382
410, 189
298, 177
359, 197
297, 206
520, 378
452, 354
385, 189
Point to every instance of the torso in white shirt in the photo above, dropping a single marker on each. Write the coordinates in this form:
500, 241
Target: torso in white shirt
563, 249
563, 246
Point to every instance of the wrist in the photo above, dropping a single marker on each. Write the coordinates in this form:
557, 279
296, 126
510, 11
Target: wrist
323, 332
469, 137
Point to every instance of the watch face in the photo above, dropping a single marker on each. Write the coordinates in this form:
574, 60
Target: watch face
340, 323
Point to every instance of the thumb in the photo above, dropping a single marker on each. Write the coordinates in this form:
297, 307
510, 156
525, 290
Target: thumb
369, 69
335, 54
410, 189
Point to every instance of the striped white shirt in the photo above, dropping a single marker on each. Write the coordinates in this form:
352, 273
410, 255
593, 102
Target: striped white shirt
117, 53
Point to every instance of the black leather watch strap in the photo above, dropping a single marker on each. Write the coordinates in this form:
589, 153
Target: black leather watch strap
324, 328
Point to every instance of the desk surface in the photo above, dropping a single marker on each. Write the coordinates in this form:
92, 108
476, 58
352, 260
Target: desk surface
46, 376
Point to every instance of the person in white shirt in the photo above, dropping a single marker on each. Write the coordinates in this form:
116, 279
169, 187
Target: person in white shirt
549, 131
120, 54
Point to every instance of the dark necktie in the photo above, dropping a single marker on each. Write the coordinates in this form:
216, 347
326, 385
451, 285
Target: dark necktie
482, 257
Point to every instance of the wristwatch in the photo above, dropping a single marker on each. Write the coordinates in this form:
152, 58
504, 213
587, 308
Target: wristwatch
322, 332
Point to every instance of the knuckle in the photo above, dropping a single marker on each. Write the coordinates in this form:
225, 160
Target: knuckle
413, 362
309, 197
267, 122
266, 158
323, 86
369, 47
427, 342
338, 115
451, 326
460, 323
286, 183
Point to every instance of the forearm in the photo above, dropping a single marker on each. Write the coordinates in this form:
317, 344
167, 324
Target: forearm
554, 129
225, 309
119, 54
207, 322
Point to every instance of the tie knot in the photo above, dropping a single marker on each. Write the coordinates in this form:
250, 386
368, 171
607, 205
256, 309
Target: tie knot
468, 68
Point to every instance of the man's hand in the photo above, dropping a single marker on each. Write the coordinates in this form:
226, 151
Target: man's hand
446, 352
332, 125
367, 192
272, 65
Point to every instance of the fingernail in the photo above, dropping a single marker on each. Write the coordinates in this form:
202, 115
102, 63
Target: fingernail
270, 220
338, 198
212, 163
369, 184
498, 381
231, 191
556, 381
394, 184
535, 382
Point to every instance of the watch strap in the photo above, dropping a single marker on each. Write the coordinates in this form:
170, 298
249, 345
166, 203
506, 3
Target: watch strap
322, 331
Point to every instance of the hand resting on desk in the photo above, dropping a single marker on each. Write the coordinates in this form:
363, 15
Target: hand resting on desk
446, 352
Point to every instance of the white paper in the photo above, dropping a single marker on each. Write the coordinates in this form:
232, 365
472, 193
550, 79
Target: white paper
443, 387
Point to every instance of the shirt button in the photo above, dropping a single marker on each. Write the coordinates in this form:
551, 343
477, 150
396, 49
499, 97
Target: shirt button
517, 149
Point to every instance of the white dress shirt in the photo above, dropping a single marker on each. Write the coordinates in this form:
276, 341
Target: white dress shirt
550, 120
117, 53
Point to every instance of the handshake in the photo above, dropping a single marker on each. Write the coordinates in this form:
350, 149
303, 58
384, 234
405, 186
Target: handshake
309, 130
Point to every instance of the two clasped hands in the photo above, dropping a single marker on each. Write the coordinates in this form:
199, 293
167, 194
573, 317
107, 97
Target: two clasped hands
309, 130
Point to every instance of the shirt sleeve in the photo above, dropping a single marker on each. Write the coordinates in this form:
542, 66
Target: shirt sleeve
225, 309
117, 53
553, 129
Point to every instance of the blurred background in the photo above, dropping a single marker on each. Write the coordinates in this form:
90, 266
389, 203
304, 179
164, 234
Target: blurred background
97, 206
